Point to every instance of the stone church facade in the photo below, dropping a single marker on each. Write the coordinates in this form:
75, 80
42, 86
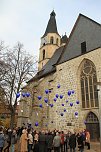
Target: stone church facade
66, 65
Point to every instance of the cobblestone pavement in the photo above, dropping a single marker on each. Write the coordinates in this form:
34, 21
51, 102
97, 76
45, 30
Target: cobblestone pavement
95, 147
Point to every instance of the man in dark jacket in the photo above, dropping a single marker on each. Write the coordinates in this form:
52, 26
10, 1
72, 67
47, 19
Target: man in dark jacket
42, 142
72, 141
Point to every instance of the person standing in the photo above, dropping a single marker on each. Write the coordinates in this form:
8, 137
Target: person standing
2, 139
23, 141
30, 141
57, 142
42, 142
88, 139
8, 139
13, 140
72, 141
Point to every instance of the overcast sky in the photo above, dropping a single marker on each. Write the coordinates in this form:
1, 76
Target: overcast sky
26, 20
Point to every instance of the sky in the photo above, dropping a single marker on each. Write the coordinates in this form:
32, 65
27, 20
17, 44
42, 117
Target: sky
25, 21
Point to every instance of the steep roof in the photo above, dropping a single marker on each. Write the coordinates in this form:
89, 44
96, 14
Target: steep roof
51, 26
84, 30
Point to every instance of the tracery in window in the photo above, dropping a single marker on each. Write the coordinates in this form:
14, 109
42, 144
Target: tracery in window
88, 85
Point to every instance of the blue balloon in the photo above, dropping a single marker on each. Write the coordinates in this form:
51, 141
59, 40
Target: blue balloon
66, 101
71, 104
62, 104
46, 91
40, 105
72, 91
54, 99
61, 96
69, 93
58, 86
36, 124
18, 95
76, 113
39, 97
57, 95
27, 94
77, 102
62, 114
64, 110
46, 100
51, 105
24, 94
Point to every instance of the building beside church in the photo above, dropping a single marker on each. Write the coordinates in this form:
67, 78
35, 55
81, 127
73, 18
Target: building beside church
64, 92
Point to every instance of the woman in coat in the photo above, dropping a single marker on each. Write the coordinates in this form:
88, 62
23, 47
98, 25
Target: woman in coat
24, 141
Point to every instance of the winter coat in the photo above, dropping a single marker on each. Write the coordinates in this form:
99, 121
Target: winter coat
42, 143
57, 141
13, 138
80, 141
72, 141
2, 139
23, 142
49, 141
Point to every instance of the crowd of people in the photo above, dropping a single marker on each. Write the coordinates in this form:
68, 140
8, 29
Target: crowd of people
30, 140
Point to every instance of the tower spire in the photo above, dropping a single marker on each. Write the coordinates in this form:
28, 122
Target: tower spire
51, 26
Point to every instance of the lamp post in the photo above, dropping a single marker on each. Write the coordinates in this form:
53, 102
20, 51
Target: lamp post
99, 99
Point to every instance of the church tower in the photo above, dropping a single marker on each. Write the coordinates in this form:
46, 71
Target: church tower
50, 41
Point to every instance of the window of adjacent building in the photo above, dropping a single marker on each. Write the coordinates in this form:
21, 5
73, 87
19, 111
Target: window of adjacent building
83, 47
57, 41
88, 85
43, 54
51, 40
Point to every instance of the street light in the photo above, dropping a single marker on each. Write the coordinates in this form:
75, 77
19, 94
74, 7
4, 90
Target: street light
99, 99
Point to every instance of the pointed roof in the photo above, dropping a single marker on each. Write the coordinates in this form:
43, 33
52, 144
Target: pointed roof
84, 30
51, 26
64, 39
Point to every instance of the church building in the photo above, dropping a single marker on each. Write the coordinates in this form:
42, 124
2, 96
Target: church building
64, 93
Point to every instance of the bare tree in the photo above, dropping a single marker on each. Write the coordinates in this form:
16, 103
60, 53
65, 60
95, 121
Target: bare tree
18, 68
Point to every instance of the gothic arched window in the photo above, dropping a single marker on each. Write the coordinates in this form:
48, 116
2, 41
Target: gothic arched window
57, 41
43, 54
51, 40
88, 80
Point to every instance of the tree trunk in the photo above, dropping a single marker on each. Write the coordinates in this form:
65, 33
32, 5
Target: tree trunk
12, 121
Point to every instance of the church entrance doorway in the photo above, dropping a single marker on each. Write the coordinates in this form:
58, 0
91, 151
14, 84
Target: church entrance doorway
92, 125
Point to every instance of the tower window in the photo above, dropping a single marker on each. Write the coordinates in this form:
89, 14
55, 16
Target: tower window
51, 40
43, 54
83, 47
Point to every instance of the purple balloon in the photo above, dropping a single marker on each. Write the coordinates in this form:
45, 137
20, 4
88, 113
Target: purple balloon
58, 86
72, 91
76, 113
24, 94
66, 101
69, 93
27, 94
18, 95
54, 99
39, 97
62, 114
46, 91
57, 95
51, 105
77, 102
36, 124
61, 96
62, 104
40, 105
46, 100
64, 110
71, 104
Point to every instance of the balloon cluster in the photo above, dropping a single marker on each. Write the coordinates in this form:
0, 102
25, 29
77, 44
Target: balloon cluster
27, 94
